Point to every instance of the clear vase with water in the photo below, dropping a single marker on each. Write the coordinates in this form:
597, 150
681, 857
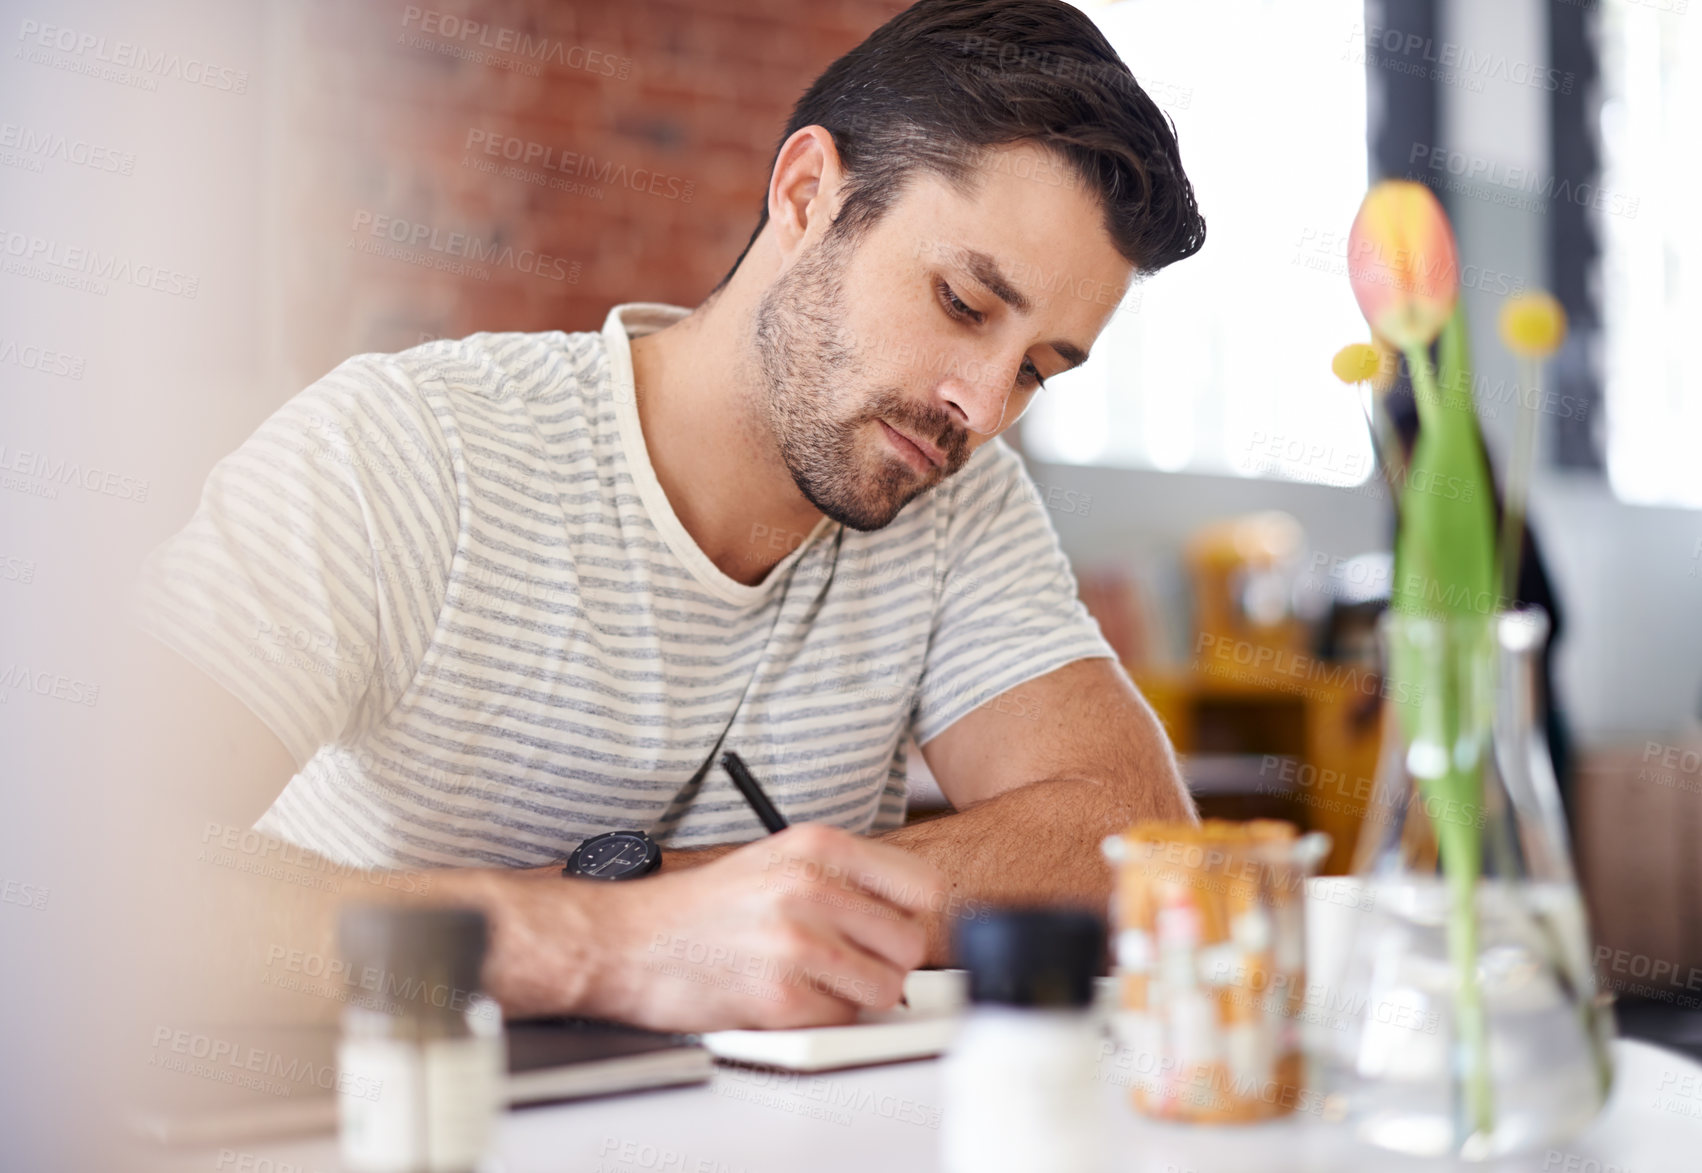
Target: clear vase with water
1474, 1026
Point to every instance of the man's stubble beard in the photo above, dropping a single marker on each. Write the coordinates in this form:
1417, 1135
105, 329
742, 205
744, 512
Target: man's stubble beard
808, 360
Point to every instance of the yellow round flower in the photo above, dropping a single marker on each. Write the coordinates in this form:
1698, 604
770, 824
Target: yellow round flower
1533, 325
1356, 362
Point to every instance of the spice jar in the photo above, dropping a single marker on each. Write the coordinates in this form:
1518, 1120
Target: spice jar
1209, 949
422, 1045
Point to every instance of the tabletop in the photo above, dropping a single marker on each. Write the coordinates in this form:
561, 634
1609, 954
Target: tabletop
886, 1120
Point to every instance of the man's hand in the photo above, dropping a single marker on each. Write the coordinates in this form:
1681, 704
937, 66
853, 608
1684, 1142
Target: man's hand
802, 928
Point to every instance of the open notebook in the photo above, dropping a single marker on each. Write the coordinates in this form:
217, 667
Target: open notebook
925, 1027
936, 997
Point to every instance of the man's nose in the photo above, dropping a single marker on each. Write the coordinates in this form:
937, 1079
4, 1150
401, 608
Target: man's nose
978, 394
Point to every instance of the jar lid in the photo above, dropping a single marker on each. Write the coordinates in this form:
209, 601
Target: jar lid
1032, 956
414, 956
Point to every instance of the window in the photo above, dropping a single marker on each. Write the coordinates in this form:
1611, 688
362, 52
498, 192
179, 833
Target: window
1222, 363
1651, 291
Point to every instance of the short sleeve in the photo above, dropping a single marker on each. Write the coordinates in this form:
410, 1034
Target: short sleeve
1007, 609
309, 580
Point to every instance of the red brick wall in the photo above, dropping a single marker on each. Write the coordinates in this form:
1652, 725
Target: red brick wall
650, 128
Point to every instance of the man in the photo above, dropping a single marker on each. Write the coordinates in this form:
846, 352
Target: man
497, 596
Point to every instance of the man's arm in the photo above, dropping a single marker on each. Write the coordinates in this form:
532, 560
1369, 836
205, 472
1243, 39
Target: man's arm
1039, 777
221, 924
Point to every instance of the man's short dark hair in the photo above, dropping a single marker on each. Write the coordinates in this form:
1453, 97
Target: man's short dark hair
945, 81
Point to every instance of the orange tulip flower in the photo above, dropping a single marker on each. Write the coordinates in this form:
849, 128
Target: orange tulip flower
1402, 263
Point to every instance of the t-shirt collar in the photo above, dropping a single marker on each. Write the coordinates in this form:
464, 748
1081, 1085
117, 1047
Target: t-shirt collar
634, 320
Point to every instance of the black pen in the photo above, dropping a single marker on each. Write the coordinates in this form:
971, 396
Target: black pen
736, 769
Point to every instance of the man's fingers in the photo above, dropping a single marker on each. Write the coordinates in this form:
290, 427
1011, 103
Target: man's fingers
892, 874
894, 936
805, 927
814, 853
889, 936
801, 1006
835, 965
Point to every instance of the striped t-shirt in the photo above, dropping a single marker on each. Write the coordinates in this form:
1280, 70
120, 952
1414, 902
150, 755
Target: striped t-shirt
450, 582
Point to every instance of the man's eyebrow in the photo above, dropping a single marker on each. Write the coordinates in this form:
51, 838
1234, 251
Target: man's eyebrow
1069, 352
986, 270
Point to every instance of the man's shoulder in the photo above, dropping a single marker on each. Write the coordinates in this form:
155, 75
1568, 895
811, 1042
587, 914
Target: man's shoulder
476, 378
505, 365
486, 367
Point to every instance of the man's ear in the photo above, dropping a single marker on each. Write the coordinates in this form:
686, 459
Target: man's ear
804, 191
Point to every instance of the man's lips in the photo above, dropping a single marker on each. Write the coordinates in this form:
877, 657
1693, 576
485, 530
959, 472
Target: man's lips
924, 449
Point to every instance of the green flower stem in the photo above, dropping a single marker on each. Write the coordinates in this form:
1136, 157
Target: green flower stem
1519, 480
1460, 856
1437, 537
1424, 387
1386, 445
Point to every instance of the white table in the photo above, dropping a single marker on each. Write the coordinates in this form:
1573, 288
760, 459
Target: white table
885, 1120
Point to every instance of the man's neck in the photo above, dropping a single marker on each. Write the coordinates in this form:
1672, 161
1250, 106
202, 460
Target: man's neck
699, 404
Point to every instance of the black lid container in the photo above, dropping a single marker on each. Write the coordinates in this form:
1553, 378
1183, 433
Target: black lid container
1034, 957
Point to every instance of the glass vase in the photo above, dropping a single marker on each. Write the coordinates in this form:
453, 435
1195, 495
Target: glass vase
1472, 1027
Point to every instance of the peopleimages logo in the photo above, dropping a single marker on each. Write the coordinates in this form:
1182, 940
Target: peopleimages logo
37, 358
1449, 62
420, 243
14, 568
1542, 187
503, 48
30, 146
76, 266
527, 154
80, 52
15, 677
232, 1061
42, 475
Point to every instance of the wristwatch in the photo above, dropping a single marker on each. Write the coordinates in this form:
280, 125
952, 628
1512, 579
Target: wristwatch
614, 855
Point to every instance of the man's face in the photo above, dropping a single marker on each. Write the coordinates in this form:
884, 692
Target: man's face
887, 363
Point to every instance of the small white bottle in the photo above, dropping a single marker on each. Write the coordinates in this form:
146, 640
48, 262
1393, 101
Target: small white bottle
1021, 1088
421, 1059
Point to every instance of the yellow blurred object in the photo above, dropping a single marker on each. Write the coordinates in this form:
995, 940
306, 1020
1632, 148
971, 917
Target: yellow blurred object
1356, 362
1253, 688
1533, 325
1243, 573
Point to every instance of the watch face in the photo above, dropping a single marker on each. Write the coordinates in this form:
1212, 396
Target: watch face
614, 856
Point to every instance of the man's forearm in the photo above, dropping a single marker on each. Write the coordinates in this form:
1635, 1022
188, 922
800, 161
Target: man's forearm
255, 929
1035, 844
263, 940
694, 857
